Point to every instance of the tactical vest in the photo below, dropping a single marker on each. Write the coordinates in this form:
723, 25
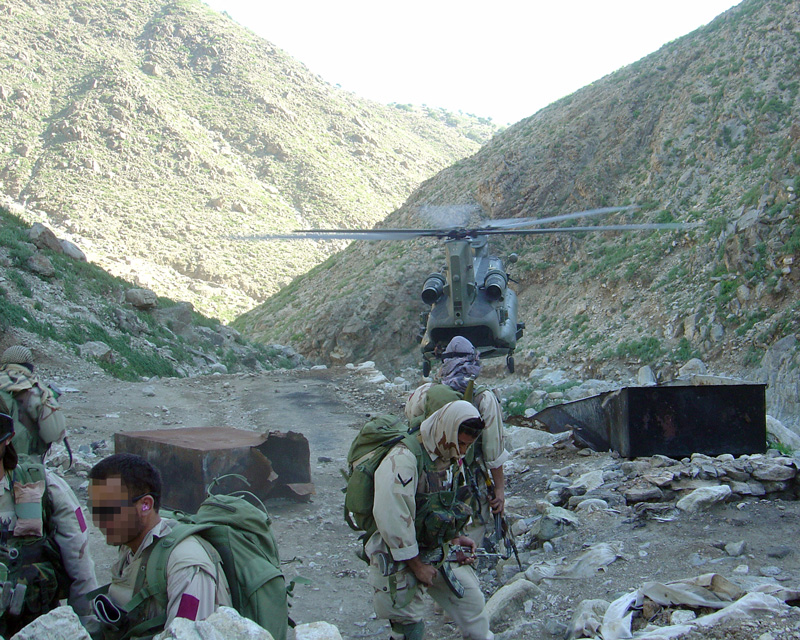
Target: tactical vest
33, 576
441, 514
475, 473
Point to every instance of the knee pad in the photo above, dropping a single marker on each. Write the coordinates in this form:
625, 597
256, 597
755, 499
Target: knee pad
410, 631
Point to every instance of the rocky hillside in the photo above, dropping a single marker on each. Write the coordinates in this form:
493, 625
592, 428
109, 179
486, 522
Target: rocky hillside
78, 319
707, 129
152, 132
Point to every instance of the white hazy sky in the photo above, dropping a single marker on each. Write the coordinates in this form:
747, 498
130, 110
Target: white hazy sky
504, 59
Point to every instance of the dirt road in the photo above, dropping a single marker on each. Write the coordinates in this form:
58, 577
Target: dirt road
325, 406
328, 406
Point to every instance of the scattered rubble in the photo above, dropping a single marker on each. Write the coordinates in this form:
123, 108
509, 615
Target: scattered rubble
591, 527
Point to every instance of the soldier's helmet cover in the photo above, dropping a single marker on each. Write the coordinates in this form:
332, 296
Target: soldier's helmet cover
17, 354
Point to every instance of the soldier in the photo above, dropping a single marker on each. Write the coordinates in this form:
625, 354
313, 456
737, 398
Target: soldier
38, 418
461, 364
125, 496
44, 543
418, 516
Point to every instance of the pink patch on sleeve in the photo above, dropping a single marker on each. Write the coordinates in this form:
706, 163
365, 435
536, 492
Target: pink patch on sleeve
81, 519
188, 607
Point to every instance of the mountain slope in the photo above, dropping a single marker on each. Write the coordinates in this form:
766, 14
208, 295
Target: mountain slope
151, 132
706, 129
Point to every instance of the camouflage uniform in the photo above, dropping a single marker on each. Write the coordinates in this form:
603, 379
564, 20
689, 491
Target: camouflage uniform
195, 589
491, 445
38, 418
398, 489
63, 521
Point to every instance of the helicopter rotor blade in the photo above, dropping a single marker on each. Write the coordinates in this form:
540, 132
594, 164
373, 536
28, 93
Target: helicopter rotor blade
511, 223
348, 234
509, 226
673, 226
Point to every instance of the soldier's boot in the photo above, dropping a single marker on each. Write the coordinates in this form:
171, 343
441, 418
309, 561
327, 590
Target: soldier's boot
411, 631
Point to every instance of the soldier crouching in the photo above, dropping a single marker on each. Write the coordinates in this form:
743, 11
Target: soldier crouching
419, 515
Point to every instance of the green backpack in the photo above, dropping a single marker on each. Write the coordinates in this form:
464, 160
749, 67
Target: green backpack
440, 516
367, 451
242, 537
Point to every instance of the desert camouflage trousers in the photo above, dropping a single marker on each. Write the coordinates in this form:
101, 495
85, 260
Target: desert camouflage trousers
405, 607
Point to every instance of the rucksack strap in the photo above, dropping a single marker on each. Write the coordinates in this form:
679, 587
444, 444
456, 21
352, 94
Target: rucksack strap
151, 583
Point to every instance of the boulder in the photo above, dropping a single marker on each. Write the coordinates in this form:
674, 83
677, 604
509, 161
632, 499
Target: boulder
44, 238
587, 482
177, 317
735, 549
782, 434
768, 471
59, 624
141, 298
518, 437
703, 498
695, 366
507, 605
646, 377
554, 522
40, 263
317, 631
129, 322
643, 493
589, 505
98, 350
224, 624
152, 69
71, 249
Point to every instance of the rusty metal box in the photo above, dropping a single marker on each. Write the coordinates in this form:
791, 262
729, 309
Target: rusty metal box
275, 463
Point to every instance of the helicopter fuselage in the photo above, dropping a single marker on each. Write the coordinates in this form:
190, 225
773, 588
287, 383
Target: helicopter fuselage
470, 298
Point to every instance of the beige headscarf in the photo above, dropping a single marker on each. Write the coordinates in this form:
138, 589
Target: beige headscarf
440, 431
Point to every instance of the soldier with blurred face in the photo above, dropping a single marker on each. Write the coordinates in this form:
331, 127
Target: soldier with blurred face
124, 497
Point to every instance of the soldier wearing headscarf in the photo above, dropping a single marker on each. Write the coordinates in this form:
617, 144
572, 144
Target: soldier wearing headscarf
461, 364
416, 512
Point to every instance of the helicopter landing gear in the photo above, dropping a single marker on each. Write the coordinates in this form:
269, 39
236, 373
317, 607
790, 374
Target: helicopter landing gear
426, 368
510, 363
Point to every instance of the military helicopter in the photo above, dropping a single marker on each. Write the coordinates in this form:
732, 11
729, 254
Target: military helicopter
470, 296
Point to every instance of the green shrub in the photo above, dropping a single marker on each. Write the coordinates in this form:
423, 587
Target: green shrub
19, 281
684, 351
515, 403
646, 350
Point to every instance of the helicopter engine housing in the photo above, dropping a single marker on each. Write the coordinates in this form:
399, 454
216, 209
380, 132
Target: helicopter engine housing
495, 284
433, 288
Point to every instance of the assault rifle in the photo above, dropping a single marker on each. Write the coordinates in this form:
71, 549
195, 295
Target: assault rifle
501, 529
389, 565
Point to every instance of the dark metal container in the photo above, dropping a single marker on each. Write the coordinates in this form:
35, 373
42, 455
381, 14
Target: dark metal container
275, 464
675, 421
